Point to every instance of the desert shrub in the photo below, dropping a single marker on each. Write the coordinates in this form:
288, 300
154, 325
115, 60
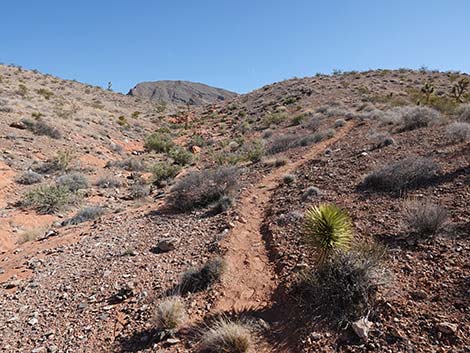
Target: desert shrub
122, 120
170, 314
159, 142
135, 114
200, 278
222, 204
274, 118
201, 188
45, 93
198, 140
29, 178
49, 199
41, 128
84, 215
73, 181
138, 191
463, 113
180, 155
297, 120
311, 191
310, 139
225, 336
254, 150
424, 217
275, 162
397, 176
381, 139
164, 171
342, 289
312, 124
340, 123
327, 229
418, 117
282, 143
458, 132
129, 164
61, 162
108, 182
288, 179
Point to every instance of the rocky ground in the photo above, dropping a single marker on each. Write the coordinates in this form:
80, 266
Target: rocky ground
95, 286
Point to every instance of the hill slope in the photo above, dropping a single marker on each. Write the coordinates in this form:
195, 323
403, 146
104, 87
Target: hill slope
181, 93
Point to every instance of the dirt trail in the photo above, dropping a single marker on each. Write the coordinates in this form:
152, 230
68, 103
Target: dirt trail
250, 279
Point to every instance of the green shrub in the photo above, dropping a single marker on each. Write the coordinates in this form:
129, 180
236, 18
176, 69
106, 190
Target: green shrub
164, 171
45, 93
49, 199
180, 155
328, 229
159, 142
254, 150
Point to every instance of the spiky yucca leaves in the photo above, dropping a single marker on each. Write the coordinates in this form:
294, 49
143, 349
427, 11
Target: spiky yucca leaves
328, 229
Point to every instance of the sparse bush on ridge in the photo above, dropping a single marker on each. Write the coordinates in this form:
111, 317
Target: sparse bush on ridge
84, 215
424, 217
73, 181
225, 336
180, 155
200, 278
170, 314
29, 177
201, 188
254, 150
163, 172
406, 173
49, 199
458, 132
138, 191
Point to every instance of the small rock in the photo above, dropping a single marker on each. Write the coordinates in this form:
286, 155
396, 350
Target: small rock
167, 244
173, 340
361, 327
33, 321
447, 328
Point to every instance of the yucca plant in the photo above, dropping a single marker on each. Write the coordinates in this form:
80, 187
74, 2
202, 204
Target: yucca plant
328, 229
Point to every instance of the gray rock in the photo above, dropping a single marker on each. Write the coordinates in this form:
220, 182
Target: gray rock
361, 327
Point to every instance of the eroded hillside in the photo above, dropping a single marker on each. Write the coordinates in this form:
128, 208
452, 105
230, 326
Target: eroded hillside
202, 216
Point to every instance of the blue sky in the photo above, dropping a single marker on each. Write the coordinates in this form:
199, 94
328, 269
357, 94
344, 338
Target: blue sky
239, 45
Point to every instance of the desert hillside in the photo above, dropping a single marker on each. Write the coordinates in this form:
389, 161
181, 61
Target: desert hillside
182, 93
318, 214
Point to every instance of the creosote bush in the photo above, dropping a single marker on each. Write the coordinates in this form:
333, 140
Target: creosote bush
159, 142
409, 172
424, 217
327, 229
180, 155
170, 314
418, 117
226, 336
201, 188
49, 199
163, 172
200, 278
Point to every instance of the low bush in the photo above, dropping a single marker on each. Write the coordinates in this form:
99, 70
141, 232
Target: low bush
108, 182
170, 314
463, 113
159, 142
73, 181
340, 123
129, 164
254, 150
163, 172
381, 139
49, 199
458, 132
41, 128
201, 188
288, 179
200, 278
417, 117
138, 191
180, 155
225, 336
424, 217
407, 173
84, 215
344, 288
29, 178
310, 192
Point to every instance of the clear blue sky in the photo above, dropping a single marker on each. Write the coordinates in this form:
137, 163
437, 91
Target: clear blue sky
237, 44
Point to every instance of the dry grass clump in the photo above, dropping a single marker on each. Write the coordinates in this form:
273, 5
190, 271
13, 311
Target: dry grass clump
200, 278
458, 132
29, 177
381, 140
424, 217
84, 215
170, 314
108, 182
226, 336
202, 188
73, 181
406, 173
41, 128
